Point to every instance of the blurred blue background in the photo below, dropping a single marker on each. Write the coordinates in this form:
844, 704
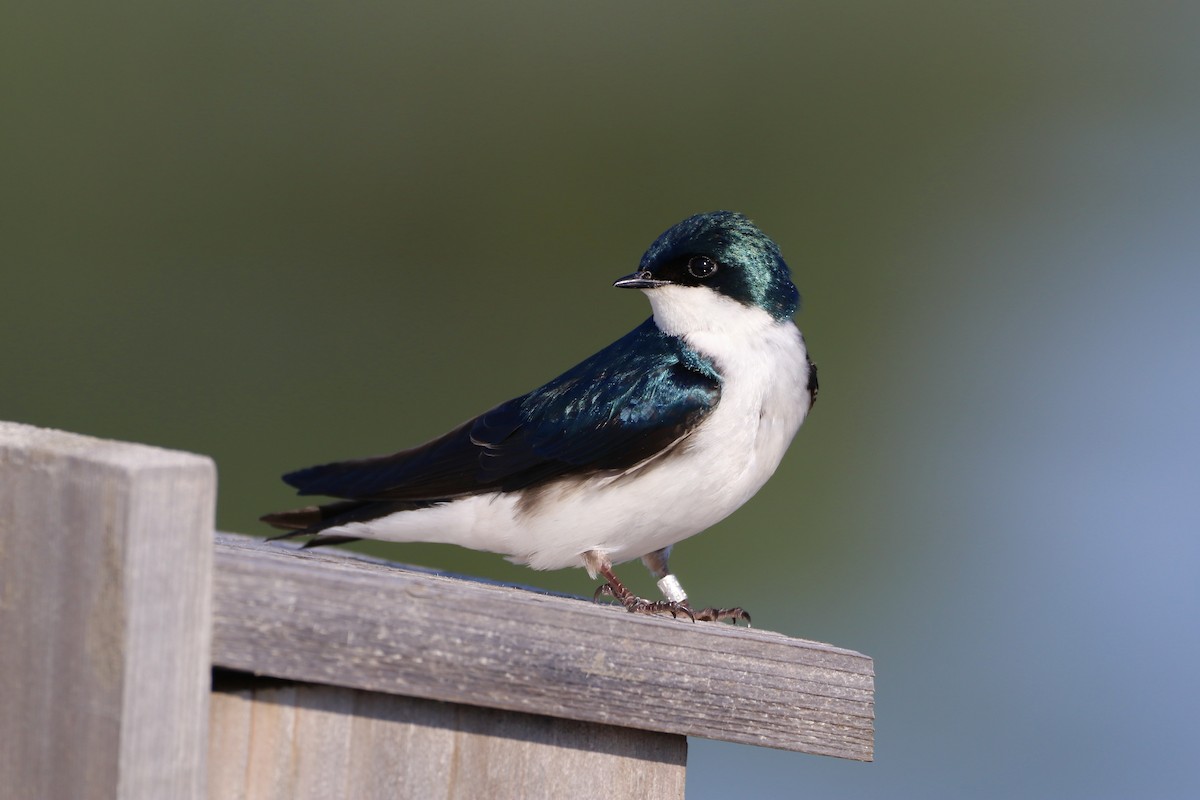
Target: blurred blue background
284, 233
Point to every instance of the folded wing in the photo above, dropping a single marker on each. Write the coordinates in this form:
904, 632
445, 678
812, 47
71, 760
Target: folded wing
627, 403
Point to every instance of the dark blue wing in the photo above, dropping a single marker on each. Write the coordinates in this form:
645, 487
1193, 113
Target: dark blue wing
628, 402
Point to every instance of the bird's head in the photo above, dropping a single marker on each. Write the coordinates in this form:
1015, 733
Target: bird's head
702, 263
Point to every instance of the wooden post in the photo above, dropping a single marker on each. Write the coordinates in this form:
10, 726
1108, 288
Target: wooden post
342, 676
105, 617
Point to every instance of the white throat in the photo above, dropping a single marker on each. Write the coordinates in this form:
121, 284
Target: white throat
687, 311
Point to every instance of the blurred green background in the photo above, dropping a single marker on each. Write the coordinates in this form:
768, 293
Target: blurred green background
284, 233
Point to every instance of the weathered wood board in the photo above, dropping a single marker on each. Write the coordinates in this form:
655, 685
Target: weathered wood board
275, 740
332, 618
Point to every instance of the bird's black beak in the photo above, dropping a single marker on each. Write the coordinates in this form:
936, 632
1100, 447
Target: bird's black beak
638, 280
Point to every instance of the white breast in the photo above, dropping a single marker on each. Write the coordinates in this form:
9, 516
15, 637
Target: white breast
764, 396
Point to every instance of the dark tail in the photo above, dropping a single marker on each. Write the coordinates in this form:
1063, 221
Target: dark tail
311, 520
314, 519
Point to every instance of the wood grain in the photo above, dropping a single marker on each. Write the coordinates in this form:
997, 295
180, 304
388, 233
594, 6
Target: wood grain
337, 619
272, 740
105, 617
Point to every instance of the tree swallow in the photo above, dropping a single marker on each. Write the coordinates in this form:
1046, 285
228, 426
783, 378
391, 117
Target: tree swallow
660, 435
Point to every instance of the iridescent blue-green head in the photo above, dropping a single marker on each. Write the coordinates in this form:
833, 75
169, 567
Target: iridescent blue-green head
722, 251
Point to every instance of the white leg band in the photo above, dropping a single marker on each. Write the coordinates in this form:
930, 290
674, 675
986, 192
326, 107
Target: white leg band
669, 586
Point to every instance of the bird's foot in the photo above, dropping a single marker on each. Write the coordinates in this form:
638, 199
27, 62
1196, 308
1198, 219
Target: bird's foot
639, 605
612, 587
735, 614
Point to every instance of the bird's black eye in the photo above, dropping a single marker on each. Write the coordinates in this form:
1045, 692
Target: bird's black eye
701, 266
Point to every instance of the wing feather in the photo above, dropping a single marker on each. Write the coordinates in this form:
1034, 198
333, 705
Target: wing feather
623, 405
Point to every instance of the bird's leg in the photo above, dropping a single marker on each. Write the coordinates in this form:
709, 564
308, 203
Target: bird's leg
669, 585
599, 564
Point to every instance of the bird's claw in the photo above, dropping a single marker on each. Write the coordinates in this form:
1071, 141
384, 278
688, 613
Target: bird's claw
734, 614
638, 605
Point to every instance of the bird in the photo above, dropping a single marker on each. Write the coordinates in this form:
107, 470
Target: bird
656, 437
